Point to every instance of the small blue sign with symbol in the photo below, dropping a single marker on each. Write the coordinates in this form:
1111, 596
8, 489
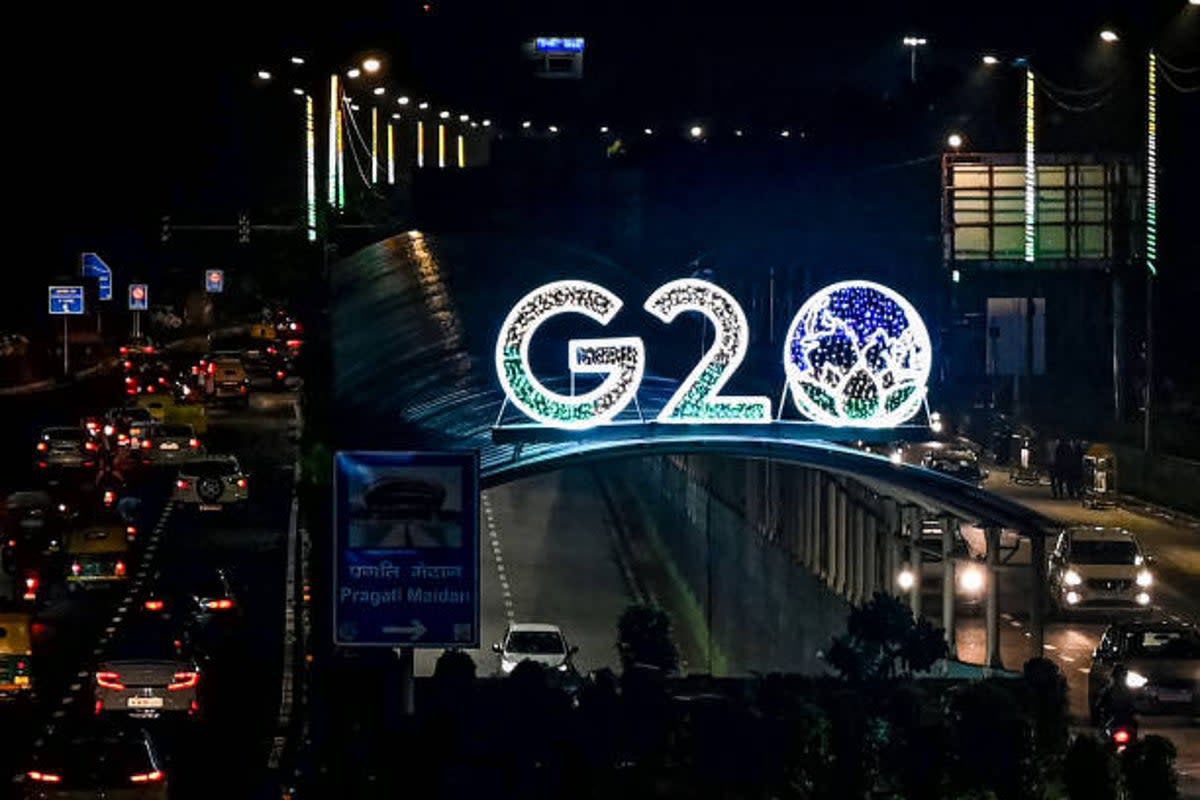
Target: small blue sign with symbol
66, 300
214, 280
139, 297
406, 541
93, 266
558, 44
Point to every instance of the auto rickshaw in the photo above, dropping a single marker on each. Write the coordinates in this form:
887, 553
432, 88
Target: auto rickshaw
98, 556
16, 654
1024, 469
1099, 477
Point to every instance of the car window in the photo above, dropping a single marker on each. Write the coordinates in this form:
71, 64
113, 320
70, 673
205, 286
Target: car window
539, 643
1163, 644
1103, 551
66, 434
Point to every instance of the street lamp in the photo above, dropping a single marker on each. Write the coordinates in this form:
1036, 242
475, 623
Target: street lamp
296, 90
487, 123
263, 75
378, 91
785, 133
604, 129
422, 105
297, 60
905, 578
553, 129
738, 132
955, 140
912, 43
1109, 36
353, 73
991, 60
648, 131
402, 99
526, 124
444, 114
371, 65
464, 117
696, 131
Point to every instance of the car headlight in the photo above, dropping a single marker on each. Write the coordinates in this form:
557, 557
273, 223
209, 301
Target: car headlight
971, 579
507, 666
562, 667
1135, 680
1072, 578
1144, 578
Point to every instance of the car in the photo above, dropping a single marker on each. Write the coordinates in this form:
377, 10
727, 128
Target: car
170, 443
62, 447
16, 654
539, 642
126, 423
98, 556
957, 463
96, 759
1163, 662
970, 571
182, 405
200, 598
148, 671
212, 483
1099, 568
226, 380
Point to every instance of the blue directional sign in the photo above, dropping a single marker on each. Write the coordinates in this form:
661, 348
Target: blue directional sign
139, 297
558, 44
66, 300
214, 281
406, 549
93, 266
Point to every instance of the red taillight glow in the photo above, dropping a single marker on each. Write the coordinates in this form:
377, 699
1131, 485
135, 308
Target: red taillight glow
131, 532
119, 570
280, 375
184, 680
1122, 736
243, 388
42, 465
148, 349
224, 604
91, 446
193, 443
154, 605
147, 777
76, 568
124, 351
44, 777
181, 484
42, 447
147, 444
99, 707
110, 497
242, 483
110, 680
128, 365
150, 389
31, 587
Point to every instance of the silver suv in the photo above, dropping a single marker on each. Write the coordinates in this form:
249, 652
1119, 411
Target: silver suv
1099, 568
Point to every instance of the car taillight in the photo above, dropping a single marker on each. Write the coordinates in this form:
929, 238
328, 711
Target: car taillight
243, 388
110, 497
130, 379
154, 605
42, 465
131, 532
242, 483
12, 542
147, 444
181, 484
147, 777
212, 369
110, 680
150, 389
91, 446
108, 430
1122, 736
280, 374
193, 443
293, 343
124, 350
148, 349
162, 381
31, 585
119, 569
76, 568
42, 447
224, 604
99, 707
44, 777
184, 680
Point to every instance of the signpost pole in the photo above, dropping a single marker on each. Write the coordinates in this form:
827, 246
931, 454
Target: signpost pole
66, 346
407, 682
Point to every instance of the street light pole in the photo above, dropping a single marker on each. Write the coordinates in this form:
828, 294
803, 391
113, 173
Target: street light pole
912, 43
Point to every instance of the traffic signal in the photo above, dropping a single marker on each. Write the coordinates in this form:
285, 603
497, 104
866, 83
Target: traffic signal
243, 227
164, 235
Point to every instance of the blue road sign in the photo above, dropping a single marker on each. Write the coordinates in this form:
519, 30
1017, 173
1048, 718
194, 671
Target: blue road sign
406, 542
66, 300
139, 297
214, 280
93, 266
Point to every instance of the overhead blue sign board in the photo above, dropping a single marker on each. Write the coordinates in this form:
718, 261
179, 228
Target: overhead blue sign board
406, 549
139, 297
66, 300
558, 44
214, 281
93, 266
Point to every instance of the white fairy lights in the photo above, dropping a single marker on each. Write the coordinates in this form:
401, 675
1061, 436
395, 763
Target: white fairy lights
857, 354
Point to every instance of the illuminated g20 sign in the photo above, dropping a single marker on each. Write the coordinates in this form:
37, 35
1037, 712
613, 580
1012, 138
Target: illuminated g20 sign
856, 354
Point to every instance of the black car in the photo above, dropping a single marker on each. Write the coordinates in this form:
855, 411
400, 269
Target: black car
1163, 662
96, 759
961, 464
200, 599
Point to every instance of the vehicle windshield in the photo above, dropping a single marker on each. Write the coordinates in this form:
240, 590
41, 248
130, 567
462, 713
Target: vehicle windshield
66, 434
1164, 644
1103, 551
211, 469
537, 643
146, 638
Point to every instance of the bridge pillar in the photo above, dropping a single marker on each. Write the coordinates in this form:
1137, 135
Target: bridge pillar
1037, 593
871, 554
948, 586
891, 546
858, 552
842, 535
809, 513
912, 530
829, 540
992, 611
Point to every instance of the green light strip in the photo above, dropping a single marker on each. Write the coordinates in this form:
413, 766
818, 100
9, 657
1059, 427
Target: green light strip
341, 162
310, 168
1152, 165
1030, 169
333, 135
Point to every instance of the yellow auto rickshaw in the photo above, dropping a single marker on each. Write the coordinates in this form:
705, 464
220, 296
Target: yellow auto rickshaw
1099, 477
16, 654
262, 331
177, 411
97, 555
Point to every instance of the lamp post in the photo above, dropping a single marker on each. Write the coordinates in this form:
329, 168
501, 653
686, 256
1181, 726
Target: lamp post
912, 43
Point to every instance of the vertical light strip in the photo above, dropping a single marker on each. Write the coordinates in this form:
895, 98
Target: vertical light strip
341, 160
374, 145
310, 168
462, 152
1030, 170
441, 146
1152, 166
334, 105
420, 144
391, 153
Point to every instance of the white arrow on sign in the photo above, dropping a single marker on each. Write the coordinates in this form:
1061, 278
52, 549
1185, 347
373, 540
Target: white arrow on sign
417, 630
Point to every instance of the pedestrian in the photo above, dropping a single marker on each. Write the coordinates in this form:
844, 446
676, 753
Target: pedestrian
1075, 470
1060, 468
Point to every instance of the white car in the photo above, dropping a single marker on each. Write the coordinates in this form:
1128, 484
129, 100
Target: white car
212, 483
1099, 568
533, 641
170, 443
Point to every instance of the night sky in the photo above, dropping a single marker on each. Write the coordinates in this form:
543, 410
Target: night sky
116, 124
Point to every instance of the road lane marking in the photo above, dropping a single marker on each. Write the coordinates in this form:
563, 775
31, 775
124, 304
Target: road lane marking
1068, 659
1049, 647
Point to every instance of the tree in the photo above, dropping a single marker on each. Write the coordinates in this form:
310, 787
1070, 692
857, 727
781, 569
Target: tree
1149, 767
1090, 771
1048, 694
883, 639
644, 638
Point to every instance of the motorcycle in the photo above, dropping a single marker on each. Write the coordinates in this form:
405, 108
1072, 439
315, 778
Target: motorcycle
1121, 730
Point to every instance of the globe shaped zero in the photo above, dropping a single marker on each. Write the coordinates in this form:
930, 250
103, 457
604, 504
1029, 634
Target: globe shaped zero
855, 355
